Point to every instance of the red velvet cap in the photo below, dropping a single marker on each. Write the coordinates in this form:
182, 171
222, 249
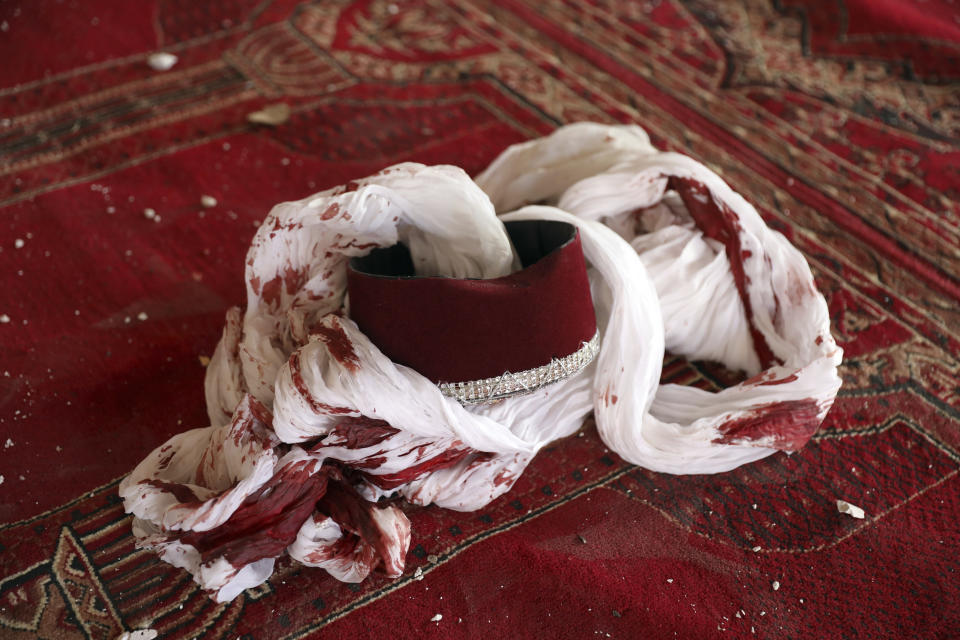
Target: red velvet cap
453, 330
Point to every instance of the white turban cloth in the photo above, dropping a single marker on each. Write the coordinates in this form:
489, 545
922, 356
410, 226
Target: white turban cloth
315, 434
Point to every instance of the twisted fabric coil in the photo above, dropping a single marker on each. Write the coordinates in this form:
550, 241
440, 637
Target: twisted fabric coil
311, 424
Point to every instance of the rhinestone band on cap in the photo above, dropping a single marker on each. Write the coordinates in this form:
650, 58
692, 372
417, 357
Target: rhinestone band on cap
514, 384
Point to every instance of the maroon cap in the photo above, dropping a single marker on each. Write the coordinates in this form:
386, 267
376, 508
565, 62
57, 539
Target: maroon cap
455, 330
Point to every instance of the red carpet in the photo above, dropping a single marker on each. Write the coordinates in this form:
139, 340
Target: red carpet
839, 120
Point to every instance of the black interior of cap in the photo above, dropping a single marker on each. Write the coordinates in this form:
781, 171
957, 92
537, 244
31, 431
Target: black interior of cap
388, 262
532, 239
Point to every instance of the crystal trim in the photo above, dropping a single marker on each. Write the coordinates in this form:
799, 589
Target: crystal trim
522, 382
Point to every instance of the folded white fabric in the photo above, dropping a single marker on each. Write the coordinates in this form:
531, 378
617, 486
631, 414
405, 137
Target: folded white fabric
311, 423
695, 307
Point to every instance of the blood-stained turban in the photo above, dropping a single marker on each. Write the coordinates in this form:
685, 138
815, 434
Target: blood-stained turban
423, 335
